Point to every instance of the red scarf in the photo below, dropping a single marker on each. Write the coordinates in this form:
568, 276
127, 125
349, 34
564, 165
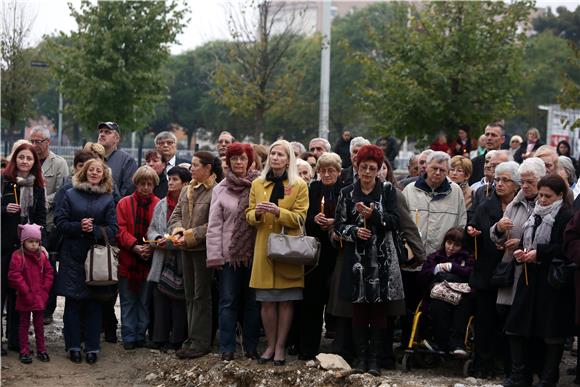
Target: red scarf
172, 198
139, 268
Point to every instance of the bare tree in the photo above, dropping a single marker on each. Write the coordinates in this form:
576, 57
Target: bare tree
16, 72
260, 74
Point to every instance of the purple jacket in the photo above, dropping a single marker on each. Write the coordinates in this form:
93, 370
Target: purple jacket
461, 265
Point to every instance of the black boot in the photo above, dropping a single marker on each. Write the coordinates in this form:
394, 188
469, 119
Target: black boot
551, 371
517, 376
360, 335
376, 350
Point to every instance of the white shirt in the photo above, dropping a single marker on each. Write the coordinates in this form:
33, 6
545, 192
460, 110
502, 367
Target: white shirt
170, 164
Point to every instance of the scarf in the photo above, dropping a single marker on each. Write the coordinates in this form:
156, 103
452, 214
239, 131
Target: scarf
241, 248
172, 198
538, 227
139, 269
278, 191
26, 185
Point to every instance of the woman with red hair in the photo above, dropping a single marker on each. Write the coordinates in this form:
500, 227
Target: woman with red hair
230, 246
366, 217
23, 201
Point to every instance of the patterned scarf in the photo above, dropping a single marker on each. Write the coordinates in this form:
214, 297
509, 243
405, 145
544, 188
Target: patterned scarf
26, 185
538, 227
278, 191
139, 269
241, 248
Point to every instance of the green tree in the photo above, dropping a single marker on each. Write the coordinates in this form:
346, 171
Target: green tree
257, 75
16, 73
565, 24
448, 63
112, 68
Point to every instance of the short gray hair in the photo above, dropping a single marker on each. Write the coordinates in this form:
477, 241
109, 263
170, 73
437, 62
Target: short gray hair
324, 141
426, 153
164, 136
510, 167
533, 165
546, 149
305, 164
565, 163
299, 145
358, 142
503, 152
42, 130
438, 157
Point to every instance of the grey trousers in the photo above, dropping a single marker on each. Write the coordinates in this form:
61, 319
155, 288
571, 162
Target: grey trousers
197, 283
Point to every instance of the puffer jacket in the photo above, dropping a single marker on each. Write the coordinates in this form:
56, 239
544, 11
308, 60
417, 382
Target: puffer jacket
31, 276
435, 211
81, 201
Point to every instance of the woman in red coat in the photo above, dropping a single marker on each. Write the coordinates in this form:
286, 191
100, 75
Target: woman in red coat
134, 213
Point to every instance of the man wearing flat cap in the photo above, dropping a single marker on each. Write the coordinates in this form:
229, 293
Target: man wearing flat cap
122, 164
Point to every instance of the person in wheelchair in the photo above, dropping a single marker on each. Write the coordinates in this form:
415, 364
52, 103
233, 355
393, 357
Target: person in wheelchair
448, 322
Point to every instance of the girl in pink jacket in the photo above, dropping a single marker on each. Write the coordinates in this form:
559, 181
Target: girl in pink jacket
31, 274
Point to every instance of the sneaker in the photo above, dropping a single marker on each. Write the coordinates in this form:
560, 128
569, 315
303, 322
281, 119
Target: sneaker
43, 356
25, 358
460, 353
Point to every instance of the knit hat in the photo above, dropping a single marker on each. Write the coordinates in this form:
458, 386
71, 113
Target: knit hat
29, 231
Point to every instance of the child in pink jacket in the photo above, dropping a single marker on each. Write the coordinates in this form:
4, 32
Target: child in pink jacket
31, 274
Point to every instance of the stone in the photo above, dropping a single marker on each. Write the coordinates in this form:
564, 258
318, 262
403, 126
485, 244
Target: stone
150, 377
458, 385
384, 384
310, 363
471, 380
330, 361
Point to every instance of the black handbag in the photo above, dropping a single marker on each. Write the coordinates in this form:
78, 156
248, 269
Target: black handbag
503, 275
561, 274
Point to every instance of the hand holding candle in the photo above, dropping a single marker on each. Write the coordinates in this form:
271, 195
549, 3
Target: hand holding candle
15, 194
322, 205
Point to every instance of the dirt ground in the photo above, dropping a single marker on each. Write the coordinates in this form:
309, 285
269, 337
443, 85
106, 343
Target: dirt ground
145, 367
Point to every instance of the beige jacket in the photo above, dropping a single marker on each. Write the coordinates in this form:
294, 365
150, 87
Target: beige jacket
191, 213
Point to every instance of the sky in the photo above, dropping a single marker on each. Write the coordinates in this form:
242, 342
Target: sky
208, 19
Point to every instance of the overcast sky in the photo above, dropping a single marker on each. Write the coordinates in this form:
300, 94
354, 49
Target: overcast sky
208, 19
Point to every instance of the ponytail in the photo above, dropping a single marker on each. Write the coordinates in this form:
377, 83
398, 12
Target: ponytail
206, 158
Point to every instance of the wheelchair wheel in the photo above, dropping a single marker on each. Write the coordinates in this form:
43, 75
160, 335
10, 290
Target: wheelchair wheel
406, 362
467, 367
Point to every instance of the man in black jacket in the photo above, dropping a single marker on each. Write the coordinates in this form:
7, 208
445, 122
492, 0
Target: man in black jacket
493, 140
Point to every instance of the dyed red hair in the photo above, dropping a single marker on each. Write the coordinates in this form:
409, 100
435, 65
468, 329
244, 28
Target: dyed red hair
238, 149
10, 172
370, 153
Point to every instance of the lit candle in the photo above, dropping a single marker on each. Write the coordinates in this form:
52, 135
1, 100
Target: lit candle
475, 246
15, 195
322, 205
417, 217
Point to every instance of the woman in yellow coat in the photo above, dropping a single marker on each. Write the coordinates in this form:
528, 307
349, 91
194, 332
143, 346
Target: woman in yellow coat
279, 197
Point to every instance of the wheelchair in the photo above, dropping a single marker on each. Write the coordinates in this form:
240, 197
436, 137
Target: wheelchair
417, 355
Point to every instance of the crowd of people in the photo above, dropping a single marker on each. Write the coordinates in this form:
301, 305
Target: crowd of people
473, 232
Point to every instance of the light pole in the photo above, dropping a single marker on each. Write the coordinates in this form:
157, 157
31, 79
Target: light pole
324, 71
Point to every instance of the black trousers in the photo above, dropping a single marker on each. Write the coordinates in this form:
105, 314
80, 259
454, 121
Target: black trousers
51, 303
170, 317
109, 318
413, 295
490, 341
449, 322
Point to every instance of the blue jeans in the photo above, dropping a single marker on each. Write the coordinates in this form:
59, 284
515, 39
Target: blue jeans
85, 313
234, 289
134, 311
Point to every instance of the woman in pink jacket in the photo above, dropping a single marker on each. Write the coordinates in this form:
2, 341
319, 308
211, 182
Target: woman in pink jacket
30, 274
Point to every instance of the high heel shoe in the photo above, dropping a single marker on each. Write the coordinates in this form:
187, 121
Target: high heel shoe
264, 360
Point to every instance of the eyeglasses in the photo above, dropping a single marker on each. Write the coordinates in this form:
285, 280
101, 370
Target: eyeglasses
503, 180
167, 142
367, 168
324, 171
38, 142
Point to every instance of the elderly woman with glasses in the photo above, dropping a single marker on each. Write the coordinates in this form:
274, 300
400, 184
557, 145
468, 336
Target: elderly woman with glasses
488, 255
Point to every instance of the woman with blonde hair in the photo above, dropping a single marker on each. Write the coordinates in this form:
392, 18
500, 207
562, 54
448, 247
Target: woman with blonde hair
459, 173
278, 198
86, 214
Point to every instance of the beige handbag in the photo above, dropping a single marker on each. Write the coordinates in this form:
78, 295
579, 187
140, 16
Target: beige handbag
295, 250
449, 292
101, 263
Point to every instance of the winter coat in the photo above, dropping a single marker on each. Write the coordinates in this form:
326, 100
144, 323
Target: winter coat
54, 172
519, 210
293, 208
126, 213
461, 266
81, 201
437, 210
123, 166
224, 205
10, 222
318, 281
365, 277
158, 228
479, 196
539, 310
192, 212
477, 171
519, 155
409, 230
31, 276
342, 148
572, 250
488, 256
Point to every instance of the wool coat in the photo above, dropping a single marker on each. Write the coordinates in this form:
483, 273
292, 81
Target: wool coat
31, 276
81, 201
572, 250
538, 309
267, 274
